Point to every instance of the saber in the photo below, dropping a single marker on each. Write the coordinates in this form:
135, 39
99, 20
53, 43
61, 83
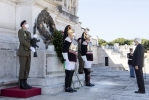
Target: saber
78, 80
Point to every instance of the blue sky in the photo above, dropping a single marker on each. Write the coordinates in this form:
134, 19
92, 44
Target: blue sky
110, 19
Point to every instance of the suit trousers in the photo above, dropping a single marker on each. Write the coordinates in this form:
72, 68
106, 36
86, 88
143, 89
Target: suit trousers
140, 79
24, 66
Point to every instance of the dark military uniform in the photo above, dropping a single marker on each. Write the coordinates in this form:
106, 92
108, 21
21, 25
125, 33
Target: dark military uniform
87, 56
86, 51
87, 65
70, 54
24, 53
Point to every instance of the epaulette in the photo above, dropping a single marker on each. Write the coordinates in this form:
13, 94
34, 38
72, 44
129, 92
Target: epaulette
84, 43
68, 39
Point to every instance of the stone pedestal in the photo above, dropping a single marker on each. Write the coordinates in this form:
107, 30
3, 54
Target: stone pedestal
20, 93
47, 72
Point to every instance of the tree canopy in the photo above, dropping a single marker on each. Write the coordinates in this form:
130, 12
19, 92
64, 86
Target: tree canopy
123, 41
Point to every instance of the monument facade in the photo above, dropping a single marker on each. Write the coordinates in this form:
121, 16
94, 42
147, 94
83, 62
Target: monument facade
46, 70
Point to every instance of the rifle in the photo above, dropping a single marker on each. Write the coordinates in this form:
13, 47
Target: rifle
34, 40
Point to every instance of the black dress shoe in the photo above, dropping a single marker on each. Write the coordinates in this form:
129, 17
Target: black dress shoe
80, 72
73, 90
89, 84
68, 90
92, 84
140, 92
132, 76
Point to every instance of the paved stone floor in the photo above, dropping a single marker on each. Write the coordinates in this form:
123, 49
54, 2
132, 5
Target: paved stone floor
111, 84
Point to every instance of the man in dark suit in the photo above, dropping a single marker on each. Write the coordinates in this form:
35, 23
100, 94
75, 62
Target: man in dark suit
138, 63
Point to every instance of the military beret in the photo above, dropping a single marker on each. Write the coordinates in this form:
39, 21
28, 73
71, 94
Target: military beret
22, 22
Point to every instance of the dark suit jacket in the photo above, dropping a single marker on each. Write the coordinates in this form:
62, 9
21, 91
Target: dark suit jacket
138, 56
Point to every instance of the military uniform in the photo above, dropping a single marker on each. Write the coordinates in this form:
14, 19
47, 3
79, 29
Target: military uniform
24, 53
87, 56
69, 54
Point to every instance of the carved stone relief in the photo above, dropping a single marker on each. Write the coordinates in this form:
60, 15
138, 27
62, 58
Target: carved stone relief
46, 26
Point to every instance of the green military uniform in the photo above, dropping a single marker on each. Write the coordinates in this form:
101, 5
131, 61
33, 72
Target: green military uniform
81, 62
24, 53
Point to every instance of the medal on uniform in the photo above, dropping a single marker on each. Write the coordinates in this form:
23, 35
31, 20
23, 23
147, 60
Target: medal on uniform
24, 34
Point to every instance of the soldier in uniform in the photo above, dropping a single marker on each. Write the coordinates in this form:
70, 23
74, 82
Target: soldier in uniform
24, 54
81, 62
87, 56
69, 56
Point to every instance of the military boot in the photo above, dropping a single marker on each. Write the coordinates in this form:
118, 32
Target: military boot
72, 72
22, 84
87, 77
25, 81
67, 81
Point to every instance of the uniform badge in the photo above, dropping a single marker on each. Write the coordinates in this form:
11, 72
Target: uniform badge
24, 34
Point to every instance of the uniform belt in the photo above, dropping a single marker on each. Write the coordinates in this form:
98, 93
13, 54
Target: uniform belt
89, 53
72, 52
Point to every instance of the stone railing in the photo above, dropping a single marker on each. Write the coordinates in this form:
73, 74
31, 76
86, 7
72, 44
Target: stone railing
122, 49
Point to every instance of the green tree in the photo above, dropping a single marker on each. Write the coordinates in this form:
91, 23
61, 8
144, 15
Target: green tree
110, 43
145, 43
104, 44
131, 41
122, 41
101, 41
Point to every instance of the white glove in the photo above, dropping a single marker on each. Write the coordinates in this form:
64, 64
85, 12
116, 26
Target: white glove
67, 61
84, 58
35, 36
65, 56
32, 48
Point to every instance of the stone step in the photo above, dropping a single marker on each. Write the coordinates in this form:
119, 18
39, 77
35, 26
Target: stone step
8, 82
51, 81
118, 67
53, 89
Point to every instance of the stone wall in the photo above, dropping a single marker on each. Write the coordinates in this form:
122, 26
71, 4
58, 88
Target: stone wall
114, 59
12, 13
